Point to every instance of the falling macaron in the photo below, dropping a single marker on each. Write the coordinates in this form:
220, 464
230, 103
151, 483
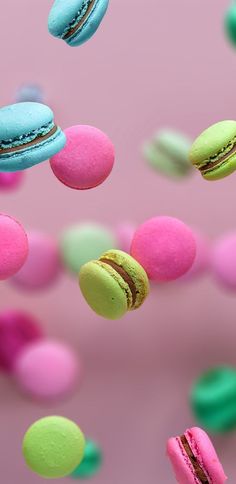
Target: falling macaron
75, 21
230, 23
28, 136
213, 153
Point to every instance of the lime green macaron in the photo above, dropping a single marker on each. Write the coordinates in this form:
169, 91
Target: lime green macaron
214, 151
113, 284
91, 463
53, 447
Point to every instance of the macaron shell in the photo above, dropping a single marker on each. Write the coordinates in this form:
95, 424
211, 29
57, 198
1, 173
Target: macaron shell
212, 140
228, 167
134, 270
21, 118
91, 25
60, 17
103, 290
181, 465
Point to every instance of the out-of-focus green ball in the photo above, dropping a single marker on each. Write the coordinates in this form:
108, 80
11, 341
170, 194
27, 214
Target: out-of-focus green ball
91, 462
230, 23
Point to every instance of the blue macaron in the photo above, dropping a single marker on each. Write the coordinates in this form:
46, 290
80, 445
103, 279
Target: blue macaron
28, 136
75, 21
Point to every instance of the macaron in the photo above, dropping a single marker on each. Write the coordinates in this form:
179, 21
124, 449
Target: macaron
213, 399
29, 93
77, 20
165, 247
124, 234
230, 23
91, 463
17, 330
194, 459
10, 180
83, 242
42, 267
113, 284
14, 246
28, 135
87, 159
213, 153
47, 370
223, 261
53, 447
167, 152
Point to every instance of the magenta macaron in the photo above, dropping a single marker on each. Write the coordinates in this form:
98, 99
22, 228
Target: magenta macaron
165, 247
13, 246
10, 180
194, 459
86, 160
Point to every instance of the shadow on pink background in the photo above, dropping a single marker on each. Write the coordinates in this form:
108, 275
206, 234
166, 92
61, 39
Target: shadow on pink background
154, 64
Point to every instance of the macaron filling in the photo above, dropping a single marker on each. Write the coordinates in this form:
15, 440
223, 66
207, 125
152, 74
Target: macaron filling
220, 158
78, 22
199, 471
30, 139
125, 276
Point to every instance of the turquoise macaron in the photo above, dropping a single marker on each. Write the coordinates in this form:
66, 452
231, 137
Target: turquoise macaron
28, 135
75, 21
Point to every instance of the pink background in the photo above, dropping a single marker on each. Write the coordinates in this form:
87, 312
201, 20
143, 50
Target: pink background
151, 64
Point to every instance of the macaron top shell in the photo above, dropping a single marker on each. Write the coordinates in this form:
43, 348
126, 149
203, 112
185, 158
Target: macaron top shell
60, 17
21, 119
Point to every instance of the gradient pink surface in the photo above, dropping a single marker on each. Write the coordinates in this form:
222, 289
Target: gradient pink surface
167, 64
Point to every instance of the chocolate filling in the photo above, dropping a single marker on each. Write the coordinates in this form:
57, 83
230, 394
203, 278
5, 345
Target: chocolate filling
125, 276
31, 143
198, 469
211, 164
74, 29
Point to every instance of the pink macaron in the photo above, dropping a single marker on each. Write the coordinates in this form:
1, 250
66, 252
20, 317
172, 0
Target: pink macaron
165, 247
10, 180
223, 261
194, 458
13, 246
42, 266
201, 263
47, 370
124, 234
17, 330
86, 160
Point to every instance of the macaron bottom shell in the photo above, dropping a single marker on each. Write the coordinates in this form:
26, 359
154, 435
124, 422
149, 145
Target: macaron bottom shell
224, 170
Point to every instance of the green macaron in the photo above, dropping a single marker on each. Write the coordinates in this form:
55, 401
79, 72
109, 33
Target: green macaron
230, 23
53, 447
213, 399
91, 462
167, 152
214, 151
113, 284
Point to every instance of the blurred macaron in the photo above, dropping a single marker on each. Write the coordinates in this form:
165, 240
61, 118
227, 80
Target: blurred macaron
91, 463
81, 243
47, 370
29, 92
223, 261
230, 23
14, 246
167, 152
42, 267
10, 180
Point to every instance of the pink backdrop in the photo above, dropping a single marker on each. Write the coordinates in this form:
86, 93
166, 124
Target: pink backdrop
151, 64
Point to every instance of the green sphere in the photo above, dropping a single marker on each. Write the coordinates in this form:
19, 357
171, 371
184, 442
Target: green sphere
91, 462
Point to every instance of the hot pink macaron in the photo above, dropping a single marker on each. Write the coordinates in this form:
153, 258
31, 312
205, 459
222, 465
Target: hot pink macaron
165, 247
10, 181
47, 370
194, 458
17, 330
42, 266
124, 234
13, 246
86, 160
223, 261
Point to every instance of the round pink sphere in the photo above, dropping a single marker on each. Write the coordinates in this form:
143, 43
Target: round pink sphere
202, 260
42, 266
124, 235
223, 261
86, 160
165, 247
13, 246
46, 370
11, 180
17, 330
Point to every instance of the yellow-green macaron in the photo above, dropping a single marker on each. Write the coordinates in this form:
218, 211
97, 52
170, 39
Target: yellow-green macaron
113, 284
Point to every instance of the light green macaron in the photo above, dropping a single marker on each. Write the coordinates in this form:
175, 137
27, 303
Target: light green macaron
214, 151
83, 242
53, 447
114, 284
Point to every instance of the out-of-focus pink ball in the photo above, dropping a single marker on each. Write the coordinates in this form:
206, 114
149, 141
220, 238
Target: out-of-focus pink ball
17, 330
47, 370
202, 260
124, 235
86, 160
11, 180
223, 261
42, 266
165, 247
13, 246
